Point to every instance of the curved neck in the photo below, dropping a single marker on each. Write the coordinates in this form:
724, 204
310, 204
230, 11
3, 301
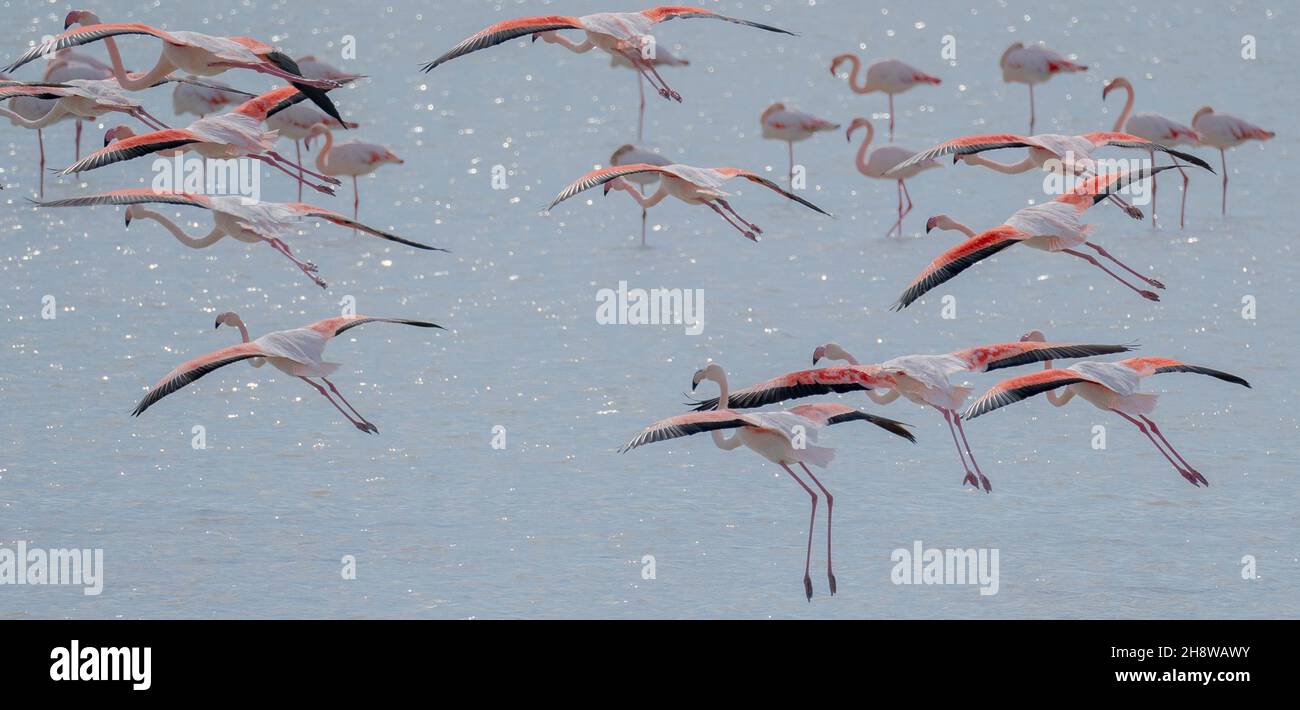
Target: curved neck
1006, 168
954, 224
848, 357
50, 117
1059, 398
322, 158
861, 159
125, 78
865, 87
1128, 108
192, 242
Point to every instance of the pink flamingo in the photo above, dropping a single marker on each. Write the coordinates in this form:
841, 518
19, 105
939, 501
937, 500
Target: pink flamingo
1224, 131
791, 125
1034, 65
888, 75
1110, 386
880, 163
201, 100
296, 352
922, 379
236, 134
1050, 226
630, 154
1157, 129
623, 33
295, 123
772, 435
662, 58
692, 185
352, 158
314, 68
231, 217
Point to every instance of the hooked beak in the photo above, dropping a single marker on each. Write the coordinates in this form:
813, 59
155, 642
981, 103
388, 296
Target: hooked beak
931, 224
818, 354
696, 379
108, 138
128, 217
71, 19
217, 325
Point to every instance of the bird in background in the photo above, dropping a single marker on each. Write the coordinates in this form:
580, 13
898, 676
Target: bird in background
880, 162
1109, 386
1033, 65
630, 154
921, 379
791, 125
662, 58
785, 438
1224, 131
295, 123
298, 353
627, 34
352, 158
692, 185
890, 76
203, 100
1155, 128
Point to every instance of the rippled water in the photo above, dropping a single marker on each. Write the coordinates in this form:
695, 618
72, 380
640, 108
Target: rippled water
557, 523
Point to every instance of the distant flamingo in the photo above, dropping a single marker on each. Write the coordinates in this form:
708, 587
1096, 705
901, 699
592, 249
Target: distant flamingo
922, 379
1224, 131
296, 352
772, 435
1157, 129
295, 122
199, 100
1111, 386
352, 158
67, 65
313, 68
888, 75
880, 164
1032, 65
692, 185
630, 154
662, 58
791, 125
622, 33
231, 217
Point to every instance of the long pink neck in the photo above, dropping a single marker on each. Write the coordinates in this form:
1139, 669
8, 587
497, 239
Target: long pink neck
961, 228
864, 87
322, 158
125, 78
1007, 168
861, 159
1128, 109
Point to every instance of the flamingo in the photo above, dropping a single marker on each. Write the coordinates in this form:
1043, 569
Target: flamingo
296, 352
29, 109
622, 33
772, 435
192, 52
1053, 226
1157, 129
662, 58
314, 68
352, 158
295, 123
888, 75
1034, 65
201, 100
922, 379
881, 161
1224, 131
630, 154
692, 185
791, 125
1110, 386
68, 65
238, 133
231, 217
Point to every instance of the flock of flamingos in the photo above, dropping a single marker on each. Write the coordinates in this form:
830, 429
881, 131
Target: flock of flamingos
236, 124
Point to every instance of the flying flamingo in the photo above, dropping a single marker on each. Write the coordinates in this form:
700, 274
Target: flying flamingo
191, 52
1034, 65
352, 158
1224, 131
622, 33
1111, 386
888, 75
236, 134
662, 58
694, 186
922, 379
1053, 226
231, 217
201, 100
880, 163
296, 352
1157, 129
295, 123
773, 436
630, 154
791, 125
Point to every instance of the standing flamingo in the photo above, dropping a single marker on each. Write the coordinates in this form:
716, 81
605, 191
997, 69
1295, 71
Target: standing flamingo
888, 75
314, 68
1053, 226
692, 185
231, 217
1157, 129
622, 33
352, 158
201, 100
662, 58
295, 123
791, 125
1224, 131
773, 436
1034, 65
880, 163
296, 352
922, 379
1111, 386
630, 154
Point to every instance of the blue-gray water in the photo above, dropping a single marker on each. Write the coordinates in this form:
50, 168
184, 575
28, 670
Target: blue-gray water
557, 523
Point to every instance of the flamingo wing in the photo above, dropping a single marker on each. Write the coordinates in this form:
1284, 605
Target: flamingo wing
135, 196
272, 102
995, 357
688, 424
754, 177
343, 221
602, 176
797, 385
35, 91
86, 35
664, 13
957, 259
192, 370
1128, 140
133, 147
1015, 389
968, 145
1099, 187
331, 327
1147, 366
828, 413
504, 32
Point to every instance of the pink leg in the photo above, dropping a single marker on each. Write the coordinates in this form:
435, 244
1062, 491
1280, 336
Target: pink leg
1152, 155
1191, 478
339, 394
640, 119
325, 394
1101, 250
1149, 295
891, 118
40, 143
1174, 451
78, 139
676, 96
1182, 214
789, 146
1223, 165
898, 223
1031, 109
807, 565
297, 153
970, 477
325, 189
984, 480
356, 202
302, 168
307, 267
1129, 209
830, 510
642, 67
727, 206
748, 234
908, 196
643, 216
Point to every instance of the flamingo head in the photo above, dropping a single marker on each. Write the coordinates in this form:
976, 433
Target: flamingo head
318, 129
129, 214
1116, 83
857, 123
117, 133
1033, 336
829, 351
939, 221
837, 61
712, 371
229, 318
74, 17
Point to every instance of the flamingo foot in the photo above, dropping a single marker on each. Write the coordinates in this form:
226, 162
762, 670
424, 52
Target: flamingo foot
676, 96
318, 281
807, 587
310, 267
1133, 212
1202, 479
324, 189
831, 578
984, 480
750, 236
363, 427
756, 229
666, 93
1192, 478
1149, 295
970, 478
